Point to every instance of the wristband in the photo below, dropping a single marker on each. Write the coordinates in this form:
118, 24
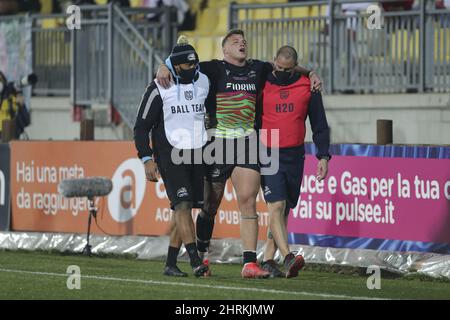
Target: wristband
146, 159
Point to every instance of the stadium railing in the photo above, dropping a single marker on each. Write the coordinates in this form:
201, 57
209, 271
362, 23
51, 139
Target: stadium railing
116, 52
50, 51
409, 53
51, 54
109, 60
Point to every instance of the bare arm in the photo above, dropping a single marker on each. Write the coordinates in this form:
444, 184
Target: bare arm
316, 82
164, 77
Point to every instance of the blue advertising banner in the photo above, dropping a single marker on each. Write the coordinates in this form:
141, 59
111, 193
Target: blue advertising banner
4, 187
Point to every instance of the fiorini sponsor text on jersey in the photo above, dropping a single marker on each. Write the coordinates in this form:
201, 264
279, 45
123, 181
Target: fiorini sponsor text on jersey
241, 86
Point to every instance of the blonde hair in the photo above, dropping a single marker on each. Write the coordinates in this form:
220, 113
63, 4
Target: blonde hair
182, 40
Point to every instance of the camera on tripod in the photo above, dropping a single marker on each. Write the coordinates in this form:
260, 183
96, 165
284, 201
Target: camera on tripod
13, 87
13, 109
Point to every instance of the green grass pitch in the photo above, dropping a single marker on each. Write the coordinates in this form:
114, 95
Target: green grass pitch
42, 275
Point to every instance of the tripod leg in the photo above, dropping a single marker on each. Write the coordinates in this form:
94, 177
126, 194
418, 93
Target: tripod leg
87, 248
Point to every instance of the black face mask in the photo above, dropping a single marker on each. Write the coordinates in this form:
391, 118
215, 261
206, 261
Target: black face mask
283, 76
187, 75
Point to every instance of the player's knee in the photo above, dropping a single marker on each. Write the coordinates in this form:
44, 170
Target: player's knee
247, 202
184, 206
210, 208
277, 208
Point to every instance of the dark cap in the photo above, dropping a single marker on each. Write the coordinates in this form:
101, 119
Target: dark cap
183, 53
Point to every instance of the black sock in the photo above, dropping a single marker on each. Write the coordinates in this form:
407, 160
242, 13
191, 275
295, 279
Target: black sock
191, 249
288, 258
204, 227
249, 256
172, 255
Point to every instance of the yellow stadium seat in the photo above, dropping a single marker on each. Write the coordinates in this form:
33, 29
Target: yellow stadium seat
193, 42
101, 2
262, 14
261, 1
404, 38
269, 1
194, 5
222, 21
46, 6
314, 11
205, 48
206, 21
299, 12
218, 54
219, 3
278, 13
442, 46
245, 14
49, 23
191, 35
136, 3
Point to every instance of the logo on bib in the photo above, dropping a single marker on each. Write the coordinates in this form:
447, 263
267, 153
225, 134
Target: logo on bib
284, 94
189, 95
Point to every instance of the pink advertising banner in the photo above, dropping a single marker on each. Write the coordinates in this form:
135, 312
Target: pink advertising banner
375, 197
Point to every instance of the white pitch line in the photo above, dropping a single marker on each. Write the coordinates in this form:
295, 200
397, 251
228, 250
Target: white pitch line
186, 284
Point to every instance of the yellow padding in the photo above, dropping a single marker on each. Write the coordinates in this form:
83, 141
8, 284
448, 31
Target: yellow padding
205, 48
409, 41
262, 14
218, 54
207, 21
46, 6
222, 21
442, 46
314, 11
49, 23
136, 3
300, 12
219, 3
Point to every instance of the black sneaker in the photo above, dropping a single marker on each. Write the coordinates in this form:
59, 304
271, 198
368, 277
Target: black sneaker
173, 271
271, 266
293, 264
200, 270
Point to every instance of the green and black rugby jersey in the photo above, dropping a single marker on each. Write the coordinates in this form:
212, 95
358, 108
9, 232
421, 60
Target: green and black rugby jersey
235, 89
